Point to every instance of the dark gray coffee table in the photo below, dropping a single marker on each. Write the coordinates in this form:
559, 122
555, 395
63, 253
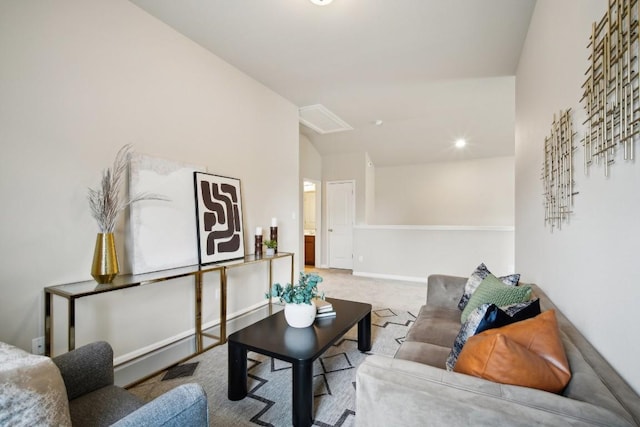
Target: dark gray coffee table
299, 346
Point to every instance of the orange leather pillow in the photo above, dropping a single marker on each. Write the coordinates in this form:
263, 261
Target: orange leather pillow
528, 353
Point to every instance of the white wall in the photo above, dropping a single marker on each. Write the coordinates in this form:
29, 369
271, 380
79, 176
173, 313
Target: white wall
438, 218
370, 190
475, 192
80, 79
348, 166
589, 268
310, 160
413, 252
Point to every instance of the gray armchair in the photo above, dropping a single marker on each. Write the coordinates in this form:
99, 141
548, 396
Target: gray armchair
94, 400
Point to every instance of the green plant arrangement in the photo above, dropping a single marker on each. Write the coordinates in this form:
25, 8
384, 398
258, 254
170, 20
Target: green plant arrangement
271, 244
301, 293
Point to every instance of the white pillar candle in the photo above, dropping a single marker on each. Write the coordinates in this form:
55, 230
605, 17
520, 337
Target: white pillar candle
274, 222
258, 231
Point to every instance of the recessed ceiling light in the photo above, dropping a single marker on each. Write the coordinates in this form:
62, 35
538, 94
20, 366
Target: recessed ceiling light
460, 143
321, 2
378, 122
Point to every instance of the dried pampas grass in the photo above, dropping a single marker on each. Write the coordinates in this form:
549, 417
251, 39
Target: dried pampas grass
105, 202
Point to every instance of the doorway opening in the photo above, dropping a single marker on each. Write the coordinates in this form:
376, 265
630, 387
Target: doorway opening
311, 211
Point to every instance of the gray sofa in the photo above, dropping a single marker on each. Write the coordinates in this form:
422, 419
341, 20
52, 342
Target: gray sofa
415, 389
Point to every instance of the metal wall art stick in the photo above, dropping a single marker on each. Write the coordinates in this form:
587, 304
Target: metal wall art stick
611, 94
557, 171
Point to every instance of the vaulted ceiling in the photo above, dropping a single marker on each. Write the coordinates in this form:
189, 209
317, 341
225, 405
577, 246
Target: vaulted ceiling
432, 71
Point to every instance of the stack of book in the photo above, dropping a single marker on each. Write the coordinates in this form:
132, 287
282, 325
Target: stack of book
325, 309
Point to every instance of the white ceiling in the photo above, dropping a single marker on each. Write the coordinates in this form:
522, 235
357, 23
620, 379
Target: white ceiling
431, 70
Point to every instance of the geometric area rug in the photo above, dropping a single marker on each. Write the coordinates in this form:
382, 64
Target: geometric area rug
268, 402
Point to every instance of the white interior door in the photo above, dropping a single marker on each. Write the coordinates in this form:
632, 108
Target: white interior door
341, 217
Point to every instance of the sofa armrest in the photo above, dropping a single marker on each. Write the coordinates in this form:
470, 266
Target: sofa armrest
421, 395
445, 291
86, 368
185, 405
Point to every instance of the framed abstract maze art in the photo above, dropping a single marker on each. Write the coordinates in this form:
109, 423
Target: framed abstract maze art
219, 218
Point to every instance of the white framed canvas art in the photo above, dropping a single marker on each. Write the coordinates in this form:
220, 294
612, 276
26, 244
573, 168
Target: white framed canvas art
161, 233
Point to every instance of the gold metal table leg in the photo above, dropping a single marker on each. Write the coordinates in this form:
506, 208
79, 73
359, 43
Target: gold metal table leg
223, 306
72, 324
291, 267
269, 284
198, 319
47, 323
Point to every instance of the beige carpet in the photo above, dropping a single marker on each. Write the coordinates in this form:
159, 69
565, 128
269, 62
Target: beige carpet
408, 296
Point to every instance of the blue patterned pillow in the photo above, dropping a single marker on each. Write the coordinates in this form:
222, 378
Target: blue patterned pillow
467, 330
477, 277
490, 316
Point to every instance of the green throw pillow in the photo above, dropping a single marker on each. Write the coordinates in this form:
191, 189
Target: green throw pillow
491, 290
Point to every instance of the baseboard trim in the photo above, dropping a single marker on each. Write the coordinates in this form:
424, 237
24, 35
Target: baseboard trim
418, 279
156, 357
141, 352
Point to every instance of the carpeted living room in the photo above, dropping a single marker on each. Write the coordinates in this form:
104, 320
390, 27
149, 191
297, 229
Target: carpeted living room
461, 175
268, 401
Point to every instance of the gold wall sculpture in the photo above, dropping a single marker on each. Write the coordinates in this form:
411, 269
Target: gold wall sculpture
557, 171
611, 94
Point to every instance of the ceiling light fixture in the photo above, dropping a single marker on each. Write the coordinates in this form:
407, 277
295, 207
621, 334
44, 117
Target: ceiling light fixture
460, 143
321, 2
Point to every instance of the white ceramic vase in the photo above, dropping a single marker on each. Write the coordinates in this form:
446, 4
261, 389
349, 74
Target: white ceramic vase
300, 315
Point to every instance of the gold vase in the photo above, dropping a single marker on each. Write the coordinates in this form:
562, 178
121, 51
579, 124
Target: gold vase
105, 260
